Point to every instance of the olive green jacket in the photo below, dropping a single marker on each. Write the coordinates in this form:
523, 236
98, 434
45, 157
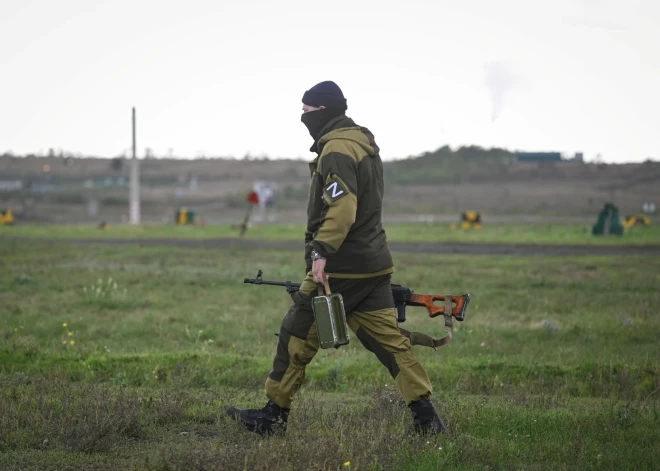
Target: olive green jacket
346, 203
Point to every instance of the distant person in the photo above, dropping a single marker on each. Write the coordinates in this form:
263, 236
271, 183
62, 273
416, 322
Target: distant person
346, 244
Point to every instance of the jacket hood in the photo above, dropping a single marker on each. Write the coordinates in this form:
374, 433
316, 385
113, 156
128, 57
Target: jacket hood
343, 127
357, 134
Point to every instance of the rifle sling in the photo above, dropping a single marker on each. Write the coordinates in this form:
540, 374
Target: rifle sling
418, 338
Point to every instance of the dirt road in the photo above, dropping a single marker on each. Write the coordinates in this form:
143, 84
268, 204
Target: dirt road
435, 248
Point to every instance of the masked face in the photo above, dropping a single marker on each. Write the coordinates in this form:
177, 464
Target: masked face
315, 119
314, 122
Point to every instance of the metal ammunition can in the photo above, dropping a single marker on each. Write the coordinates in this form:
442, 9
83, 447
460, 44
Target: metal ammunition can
330, 319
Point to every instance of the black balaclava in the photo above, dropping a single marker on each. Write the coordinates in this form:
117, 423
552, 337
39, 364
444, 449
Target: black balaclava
317, 120
326, 94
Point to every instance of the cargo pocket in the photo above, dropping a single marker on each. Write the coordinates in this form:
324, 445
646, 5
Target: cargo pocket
300, 317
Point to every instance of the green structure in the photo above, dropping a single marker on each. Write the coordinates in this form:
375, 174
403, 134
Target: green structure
609, 221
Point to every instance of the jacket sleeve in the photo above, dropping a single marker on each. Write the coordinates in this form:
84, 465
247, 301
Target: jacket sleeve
308, 251
339, 176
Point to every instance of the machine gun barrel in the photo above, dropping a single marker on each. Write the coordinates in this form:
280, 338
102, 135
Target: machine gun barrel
290, 286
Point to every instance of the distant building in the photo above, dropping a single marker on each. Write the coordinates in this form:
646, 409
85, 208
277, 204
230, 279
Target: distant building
11, 185
538, 156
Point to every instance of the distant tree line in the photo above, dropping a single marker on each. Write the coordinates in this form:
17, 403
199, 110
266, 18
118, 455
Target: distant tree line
447, 165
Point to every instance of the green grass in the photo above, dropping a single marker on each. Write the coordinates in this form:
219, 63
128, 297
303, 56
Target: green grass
556, 234
557, 365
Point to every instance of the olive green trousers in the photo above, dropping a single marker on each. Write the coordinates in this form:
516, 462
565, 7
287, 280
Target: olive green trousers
372, 318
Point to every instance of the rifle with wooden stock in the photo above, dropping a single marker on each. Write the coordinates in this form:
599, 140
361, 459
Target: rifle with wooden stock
452, 307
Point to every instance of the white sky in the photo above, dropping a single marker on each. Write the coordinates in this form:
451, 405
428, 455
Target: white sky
225, 78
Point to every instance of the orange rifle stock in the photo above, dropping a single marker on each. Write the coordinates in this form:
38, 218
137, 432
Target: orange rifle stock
459, 304
406, 297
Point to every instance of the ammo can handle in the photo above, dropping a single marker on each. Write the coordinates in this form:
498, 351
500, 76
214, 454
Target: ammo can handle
326, 286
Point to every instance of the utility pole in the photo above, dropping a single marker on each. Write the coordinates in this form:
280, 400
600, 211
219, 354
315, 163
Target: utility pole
134, 205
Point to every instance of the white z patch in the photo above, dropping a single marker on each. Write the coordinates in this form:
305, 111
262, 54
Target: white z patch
335, 190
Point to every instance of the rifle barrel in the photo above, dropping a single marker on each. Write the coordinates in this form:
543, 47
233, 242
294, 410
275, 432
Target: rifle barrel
258, 281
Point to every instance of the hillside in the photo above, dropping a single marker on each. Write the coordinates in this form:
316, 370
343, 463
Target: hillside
446, 166
443, 182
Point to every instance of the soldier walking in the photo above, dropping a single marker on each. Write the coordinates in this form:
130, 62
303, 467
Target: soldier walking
346, 245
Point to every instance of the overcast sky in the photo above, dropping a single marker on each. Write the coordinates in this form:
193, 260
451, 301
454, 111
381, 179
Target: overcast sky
223, 78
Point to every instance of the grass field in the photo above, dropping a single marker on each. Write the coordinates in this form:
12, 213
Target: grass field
126, 357
555, 234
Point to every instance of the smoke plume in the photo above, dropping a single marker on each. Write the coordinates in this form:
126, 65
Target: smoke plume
500, 80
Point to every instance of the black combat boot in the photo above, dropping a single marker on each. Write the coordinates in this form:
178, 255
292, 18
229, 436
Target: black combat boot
269, 420
425, 418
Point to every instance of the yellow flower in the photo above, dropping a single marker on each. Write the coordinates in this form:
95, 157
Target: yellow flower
233, 346
347, 464
63, 342
64, 324
70, 334
72, 342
